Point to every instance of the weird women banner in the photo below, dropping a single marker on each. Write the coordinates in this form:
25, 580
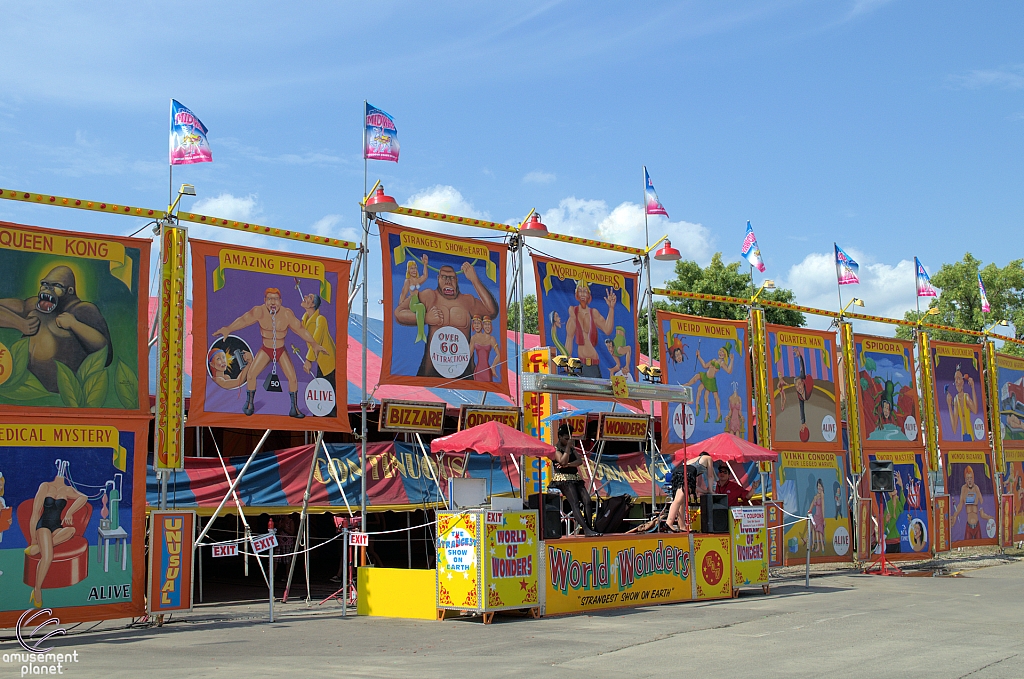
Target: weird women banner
588, 313
445, 315
709, 356
72, 322
269, 339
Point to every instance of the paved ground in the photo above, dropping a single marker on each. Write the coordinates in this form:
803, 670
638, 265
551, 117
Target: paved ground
846, 625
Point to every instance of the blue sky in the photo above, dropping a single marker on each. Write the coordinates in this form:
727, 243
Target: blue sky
894, 127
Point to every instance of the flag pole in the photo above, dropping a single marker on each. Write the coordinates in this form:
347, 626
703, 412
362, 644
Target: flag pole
917, 295
364, 249
650, 336
839, 287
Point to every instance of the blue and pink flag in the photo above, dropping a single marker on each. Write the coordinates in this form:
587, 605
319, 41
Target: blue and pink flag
924, 283
750, 251
188, 137
380, 138
654, 206
846, 267
985, 308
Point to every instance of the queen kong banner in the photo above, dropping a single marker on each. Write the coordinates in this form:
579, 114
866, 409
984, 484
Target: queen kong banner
270, 338
445, 316
588, 313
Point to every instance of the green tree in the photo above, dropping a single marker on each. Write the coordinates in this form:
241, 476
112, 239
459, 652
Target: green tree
959, 302
529, 315
717, 278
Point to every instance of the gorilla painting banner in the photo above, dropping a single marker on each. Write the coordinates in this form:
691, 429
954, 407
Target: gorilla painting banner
590, 314
72, 517
270, 339
802, 383
72, 321
444, 311
709, 356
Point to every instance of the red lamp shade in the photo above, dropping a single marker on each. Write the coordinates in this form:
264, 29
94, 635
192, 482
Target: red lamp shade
379, 202
667, 253
533, 226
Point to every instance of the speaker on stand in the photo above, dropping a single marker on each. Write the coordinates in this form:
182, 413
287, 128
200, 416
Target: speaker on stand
551, 516
714, 513
882, 479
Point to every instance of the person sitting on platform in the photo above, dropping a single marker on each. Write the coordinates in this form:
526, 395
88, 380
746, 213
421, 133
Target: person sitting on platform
688, 480
738, 495
566, 478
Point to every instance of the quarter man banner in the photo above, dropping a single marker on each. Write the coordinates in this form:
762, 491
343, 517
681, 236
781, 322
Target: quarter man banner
72, 322
72, 517
590, 314
959, 396
444, 311
889, 412
710, 356
802, 384
270, 336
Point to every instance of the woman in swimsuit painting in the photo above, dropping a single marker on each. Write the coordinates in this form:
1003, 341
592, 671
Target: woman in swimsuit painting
483, 343
411, 291
709, 379
49, 528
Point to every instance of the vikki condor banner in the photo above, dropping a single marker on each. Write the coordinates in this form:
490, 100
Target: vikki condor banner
444, 311
588, 313
270, 335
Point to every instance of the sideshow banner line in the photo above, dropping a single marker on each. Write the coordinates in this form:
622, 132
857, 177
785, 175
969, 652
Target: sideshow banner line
1010, 406
813, 483
970, 484
710, 356
890, 414
445, 311
802, 382
960, 398
907, 526
270, 333
94, 475
590, 313
73, 322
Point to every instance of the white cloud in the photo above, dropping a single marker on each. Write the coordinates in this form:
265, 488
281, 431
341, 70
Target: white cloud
1008, 78
446, 199
538, 177
887, 290
328, 225
227, 206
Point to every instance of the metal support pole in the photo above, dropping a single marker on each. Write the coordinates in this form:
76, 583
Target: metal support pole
344, 572
519, 332
807, 572
362, 401
303, 518
408, 536
234, 485
271, 569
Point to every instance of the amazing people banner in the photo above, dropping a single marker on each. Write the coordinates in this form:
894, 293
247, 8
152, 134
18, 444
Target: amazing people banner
72, 322
1010, 372
270, 334
445, 316
969, 484
72, 517
803, 387
889, 411
710, 356
904, 511
588, 313
815, 484
959, 395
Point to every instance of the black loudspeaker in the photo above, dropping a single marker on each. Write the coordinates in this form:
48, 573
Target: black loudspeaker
551, 517
882, 476
714, 513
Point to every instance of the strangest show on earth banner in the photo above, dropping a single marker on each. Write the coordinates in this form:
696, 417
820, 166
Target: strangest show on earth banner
270, 335
445, 316
588, 313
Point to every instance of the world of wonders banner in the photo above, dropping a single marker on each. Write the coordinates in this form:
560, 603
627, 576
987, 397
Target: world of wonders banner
588, 313
72, 321
445, 316
270, 339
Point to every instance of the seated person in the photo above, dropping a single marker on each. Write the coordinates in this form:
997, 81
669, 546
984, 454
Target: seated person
688, 480
738, 495
566, 478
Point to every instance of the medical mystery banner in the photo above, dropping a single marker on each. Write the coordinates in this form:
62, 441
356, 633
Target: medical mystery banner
72, 517
802, 384
445, 316
588, 313
270, 339
72, 322
709, 356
